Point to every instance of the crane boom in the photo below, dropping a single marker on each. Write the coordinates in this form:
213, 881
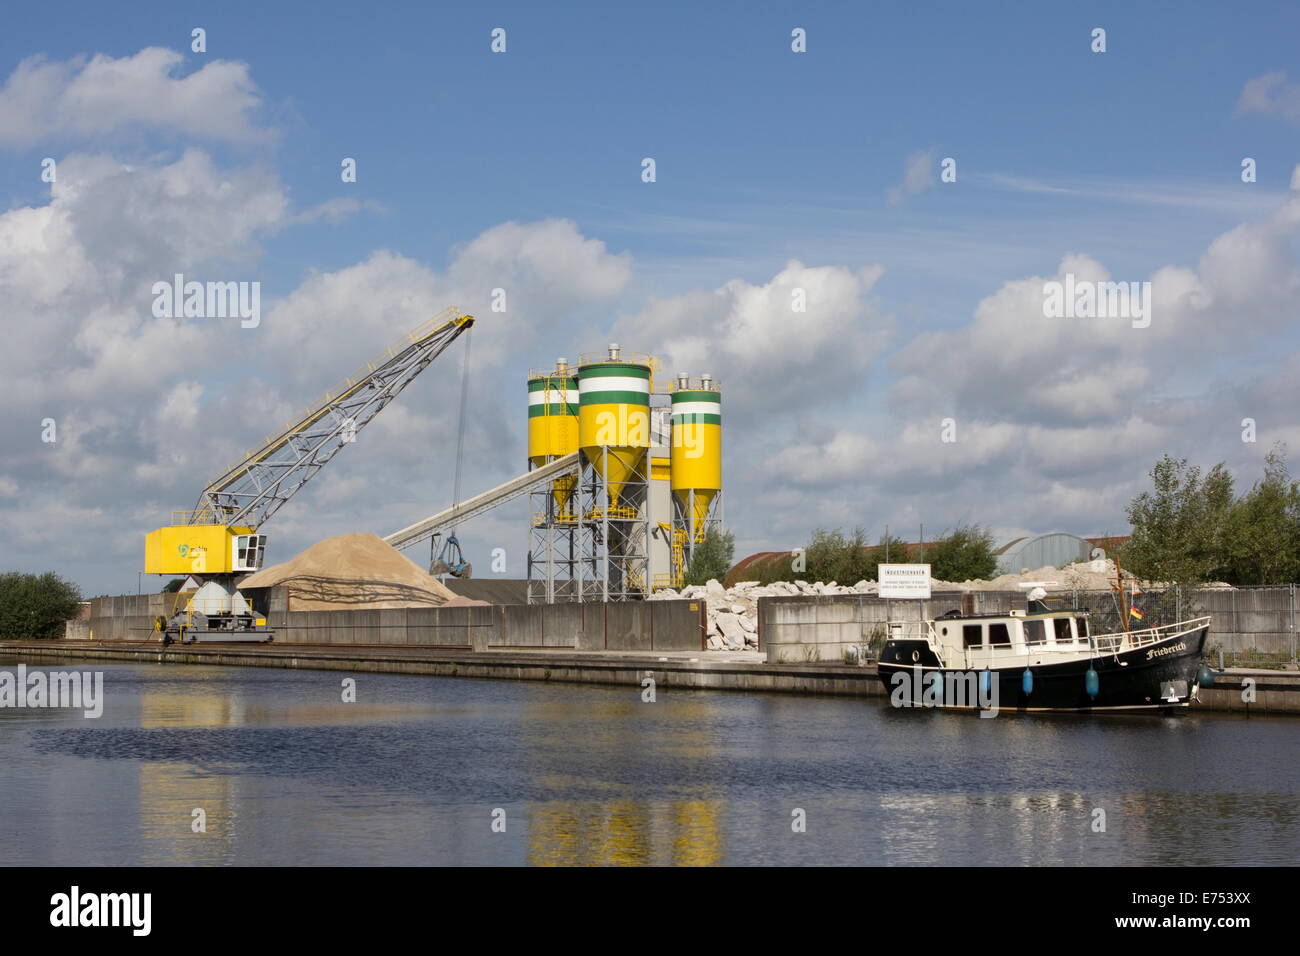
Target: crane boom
249, 493
218, 542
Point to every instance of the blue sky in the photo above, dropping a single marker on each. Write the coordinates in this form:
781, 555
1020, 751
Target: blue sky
1129, 157
452, 139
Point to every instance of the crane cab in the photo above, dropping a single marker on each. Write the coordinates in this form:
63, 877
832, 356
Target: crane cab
203, 550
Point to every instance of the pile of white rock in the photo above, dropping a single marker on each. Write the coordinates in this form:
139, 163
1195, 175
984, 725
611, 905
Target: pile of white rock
733, 611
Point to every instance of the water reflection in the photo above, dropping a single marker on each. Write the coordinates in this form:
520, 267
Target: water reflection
625, 831
287, 773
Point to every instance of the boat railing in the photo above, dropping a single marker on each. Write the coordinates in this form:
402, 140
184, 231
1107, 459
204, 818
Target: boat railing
911, 630
1135, 640
1112, 643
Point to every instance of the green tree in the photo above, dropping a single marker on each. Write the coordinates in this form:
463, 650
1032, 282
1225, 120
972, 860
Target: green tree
834, 556
35, 606
830, 556
712, 557
1180, 526
172, 586
963, 554
891, 550
1262, 539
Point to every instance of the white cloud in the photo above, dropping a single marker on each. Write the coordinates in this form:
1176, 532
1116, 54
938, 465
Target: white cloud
918, 176
1013, 362
78, 98
77, 272
149, 409
1057, 421
1226, 199
767, 356
333, 321
1271, 95
336, 210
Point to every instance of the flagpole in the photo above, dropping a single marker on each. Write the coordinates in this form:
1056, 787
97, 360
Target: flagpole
1119, 586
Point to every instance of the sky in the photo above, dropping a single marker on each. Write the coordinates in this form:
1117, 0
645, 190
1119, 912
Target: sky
922, 384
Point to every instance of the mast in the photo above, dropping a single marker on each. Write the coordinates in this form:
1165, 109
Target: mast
1119, 586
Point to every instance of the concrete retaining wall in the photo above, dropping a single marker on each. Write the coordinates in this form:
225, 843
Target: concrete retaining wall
1277, 693
649, 626
811, 629
128, 617
1250, 624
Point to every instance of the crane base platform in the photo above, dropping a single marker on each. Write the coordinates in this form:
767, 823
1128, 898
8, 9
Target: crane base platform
218, 635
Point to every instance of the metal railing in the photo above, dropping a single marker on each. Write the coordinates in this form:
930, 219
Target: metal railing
1250, 626
1136, 640
1019, 646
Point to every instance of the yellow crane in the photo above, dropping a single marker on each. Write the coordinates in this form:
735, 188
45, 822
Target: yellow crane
218, 541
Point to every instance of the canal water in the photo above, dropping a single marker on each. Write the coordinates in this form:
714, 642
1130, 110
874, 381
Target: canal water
417, 770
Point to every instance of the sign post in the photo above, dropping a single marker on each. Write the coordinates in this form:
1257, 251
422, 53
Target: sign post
907, 582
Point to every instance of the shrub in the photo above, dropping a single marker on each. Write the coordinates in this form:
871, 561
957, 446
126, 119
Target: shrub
35, 606
712, 557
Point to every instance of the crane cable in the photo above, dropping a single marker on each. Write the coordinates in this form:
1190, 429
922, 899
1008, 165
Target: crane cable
434, 556
460, 429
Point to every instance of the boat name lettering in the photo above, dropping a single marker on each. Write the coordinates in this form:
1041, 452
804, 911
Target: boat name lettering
1161, 651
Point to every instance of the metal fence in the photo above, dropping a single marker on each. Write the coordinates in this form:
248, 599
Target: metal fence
1250, 627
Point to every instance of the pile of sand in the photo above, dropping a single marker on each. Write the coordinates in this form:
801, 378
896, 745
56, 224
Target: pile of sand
353, 572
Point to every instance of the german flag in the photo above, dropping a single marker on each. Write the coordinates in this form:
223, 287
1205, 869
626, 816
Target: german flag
1135, 613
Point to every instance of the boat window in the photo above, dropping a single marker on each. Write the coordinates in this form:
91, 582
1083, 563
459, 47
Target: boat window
1063, 635
1035, 632
998, 634
972, 635
1081, 625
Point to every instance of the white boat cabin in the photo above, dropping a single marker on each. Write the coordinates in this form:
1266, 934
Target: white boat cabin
1016, 639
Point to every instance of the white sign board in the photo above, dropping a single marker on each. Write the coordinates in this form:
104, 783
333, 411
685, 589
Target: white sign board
904, 581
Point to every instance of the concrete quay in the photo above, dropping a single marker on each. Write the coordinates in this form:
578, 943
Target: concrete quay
1276, 692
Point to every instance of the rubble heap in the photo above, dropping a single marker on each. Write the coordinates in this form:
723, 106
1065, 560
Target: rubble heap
733, 611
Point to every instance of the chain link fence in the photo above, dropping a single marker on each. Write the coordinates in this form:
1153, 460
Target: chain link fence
1250, 627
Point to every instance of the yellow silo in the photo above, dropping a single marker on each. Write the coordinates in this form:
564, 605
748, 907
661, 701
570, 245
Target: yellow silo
614, 417
553, 424
696, 450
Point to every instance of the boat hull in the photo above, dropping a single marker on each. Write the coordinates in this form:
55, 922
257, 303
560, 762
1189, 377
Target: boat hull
1160, 676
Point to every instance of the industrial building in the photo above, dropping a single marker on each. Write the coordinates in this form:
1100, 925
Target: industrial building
643, 484
624, 478
624, 474
1054, 549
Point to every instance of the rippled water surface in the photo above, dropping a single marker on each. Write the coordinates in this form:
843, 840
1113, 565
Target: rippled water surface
287, 773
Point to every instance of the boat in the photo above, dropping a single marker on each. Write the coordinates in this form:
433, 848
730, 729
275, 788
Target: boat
1041, 660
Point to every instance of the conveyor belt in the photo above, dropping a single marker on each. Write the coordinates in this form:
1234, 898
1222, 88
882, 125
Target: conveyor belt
485, 502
